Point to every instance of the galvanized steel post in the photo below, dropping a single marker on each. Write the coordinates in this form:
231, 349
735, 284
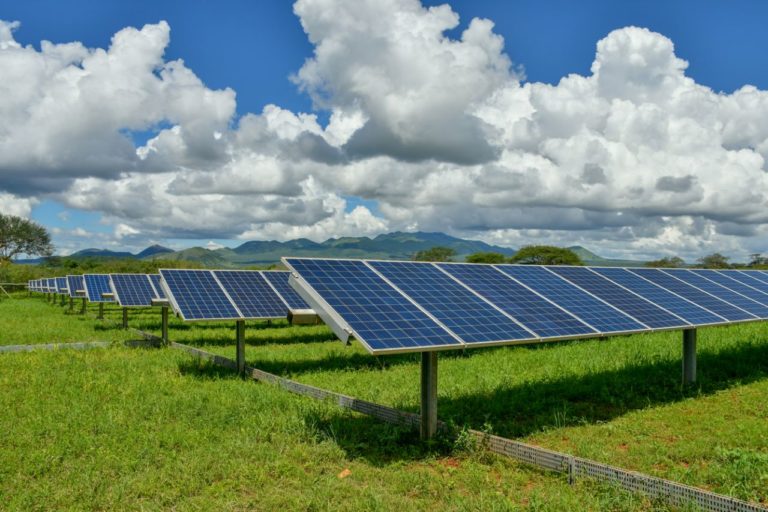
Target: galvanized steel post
689, 356
428, 394
240, 328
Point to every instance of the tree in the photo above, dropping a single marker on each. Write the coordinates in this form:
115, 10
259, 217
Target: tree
757, 260
486, 257
22, 236
667, 262
435, 254
545, 255
715, 260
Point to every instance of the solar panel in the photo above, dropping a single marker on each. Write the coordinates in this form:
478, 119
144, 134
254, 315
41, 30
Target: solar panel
61, 286
755, 274
536, 313
74, 284
732, 284
630, 303
197, 295
473, 319
251, 294
132, 290
280, 282
95, 286
377, 315
159, 292
661, 296
747, 278
705, 300
721, 292
573, 299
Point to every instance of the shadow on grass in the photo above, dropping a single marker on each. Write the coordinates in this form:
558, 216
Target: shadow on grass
280, 337
206, 370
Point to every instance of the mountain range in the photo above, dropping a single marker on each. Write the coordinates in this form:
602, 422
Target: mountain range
397, 245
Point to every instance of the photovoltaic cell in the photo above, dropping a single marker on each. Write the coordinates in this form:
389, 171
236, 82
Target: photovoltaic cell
198, 296
618, 297
534, 312
661, 296
159, 292
251, 294
378, 315
720, 292
732, 284
705, 300
132, 290
279, 280
95, 286
61, 285
75, 283
571, 298
463, 312
747, 278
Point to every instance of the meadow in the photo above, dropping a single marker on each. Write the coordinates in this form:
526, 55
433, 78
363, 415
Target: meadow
154, 428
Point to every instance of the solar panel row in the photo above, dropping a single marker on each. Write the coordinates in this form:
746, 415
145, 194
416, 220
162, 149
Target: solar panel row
412, 306
229, 294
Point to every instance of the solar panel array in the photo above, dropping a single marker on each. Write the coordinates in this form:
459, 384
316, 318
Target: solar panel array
95, 286
414, 306
198, 295
133, 290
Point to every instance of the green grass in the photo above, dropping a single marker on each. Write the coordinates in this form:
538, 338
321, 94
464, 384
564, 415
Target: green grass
33, 321
130, 428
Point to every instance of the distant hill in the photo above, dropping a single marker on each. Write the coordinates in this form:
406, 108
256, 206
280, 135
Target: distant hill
397, 245
154, 251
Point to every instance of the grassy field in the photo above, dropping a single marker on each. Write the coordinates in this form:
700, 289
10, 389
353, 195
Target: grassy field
132, 428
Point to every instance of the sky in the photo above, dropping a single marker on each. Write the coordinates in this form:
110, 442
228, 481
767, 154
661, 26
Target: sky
638, 129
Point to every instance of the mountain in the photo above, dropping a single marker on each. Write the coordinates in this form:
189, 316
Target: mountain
153, 250
590, 258
100, 253
396, 245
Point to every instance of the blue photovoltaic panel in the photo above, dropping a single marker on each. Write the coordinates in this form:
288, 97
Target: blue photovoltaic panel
635, 306
537, 314
747, 278
49, 284
720, 292
75, 283
661, 296
705, 300
574, 300
251, 294
379, 316
756, 274
95, 286
198, 296
463, 312
732, 284
279, 280
132, 290
159, 293
61, 285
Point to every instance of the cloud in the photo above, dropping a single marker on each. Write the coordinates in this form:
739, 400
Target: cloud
441, 133
12, 205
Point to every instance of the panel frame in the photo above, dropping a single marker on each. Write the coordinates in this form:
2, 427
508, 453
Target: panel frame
266, 282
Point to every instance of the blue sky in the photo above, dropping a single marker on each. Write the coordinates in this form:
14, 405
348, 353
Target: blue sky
255, 48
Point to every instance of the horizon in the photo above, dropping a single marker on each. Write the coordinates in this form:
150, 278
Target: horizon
642, 136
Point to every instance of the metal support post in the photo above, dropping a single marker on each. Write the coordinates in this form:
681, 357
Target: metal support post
83, 307
240, 328
428, 394
101, 310
164, 314
71, 304
689, 356
125, 318
63, 300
